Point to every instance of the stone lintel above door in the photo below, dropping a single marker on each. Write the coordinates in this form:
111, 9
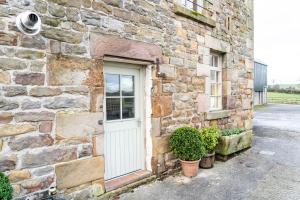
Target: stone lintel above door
108, 45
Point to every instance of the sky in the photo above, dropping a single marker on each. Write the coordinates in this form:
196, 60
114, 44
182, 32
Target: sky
277, 39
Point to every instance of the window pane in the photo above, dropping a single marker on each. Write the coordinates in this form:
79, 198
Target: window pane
219, 102
216, 61
189, 4
219, 77
213, 90
211, 61
127, 83
113, 108
213, 102
219, 89
213, 76
112, 86
200, 5
128, 108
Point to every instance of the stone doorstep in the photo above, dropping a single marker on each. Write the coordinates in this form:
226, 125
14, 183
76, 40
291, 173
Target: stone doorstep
126, 180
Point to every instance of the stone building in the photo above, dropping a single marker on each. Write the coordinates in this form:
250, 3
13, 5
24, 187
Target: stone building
97, 93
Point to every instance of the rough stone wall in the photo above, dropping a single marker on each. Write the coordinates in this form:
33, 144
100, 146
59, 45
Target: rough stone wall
52, 87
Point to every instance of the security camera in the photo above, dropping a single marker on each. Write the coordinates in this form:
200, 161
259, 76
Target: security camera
29, 23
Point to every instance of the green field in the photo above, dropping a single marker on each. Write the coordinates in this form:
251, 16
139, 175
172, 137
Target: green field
283, 98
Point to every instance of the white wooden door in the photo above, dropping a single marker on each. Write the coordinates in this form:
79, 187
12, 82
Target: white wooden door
124, 139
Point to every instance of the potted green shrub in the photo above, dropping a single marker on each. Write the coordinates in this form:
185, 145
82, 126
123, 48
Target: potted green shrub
232, 141
6, 189
186, 144
210, 138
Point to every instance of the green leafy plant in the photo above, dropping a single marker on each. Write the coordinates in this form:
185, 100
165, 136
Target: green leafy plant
6, 189
186, 144
232, 131
210, 138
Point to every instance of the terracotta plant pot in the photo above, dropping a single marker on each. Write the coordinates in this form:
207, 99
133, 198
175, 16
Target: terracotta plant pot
208, 161
190, 168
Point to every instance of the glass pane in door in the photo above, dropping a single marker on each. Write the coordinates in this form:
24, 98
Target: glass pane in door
127, 108
113, 108
112, 84
127, 85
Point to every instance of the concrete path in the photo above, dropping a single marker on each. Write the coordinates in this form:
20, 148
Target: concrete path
268, 171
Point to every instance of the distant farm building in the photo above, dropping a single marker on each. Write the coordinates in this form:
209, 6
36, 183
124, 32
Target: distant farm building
260, 83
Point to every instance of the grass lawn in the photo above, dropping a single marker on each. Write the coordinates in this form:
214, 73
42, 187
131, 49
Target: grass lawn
284, 98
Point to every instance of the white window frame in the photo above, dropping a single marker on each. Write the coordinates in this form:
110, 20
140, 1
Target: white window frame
193, 5
216, 65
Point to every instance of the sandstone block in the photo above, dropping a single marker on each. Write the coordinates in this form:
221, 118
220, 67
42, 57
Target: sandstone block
65, 102
35, 141
12, 91
51, 21
8, 104
48, 156
56, 10
168, 70
176, 61
248, 124
156, 129
81, 90
247, 104
62, 35
30, 54
84, 170
168, 88
8, 39
73, 49
113, 45
162, 106
40, 183
98, 145
44, 92
36, 42
43, 171
40, 6
73, 14
15, 129
5, 118
217, 44
203, 103
217, 114
19, 175
98, 188
28, 104
37, 66
12, 64
86, 124
45, 127
160, 145
4, 77
34, 116
30, 78
203, 70
7, 162
65, 70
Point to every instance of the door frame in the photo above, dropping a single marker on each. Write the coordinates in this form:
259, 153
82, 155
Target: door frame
145, 73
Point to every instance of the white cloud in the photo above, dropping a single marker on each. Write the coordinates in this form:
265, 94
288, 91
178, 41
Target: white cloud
277, 38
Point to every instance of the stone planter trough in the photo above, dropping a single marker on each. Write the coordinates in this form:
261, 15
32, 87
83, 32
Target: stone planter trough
234, 143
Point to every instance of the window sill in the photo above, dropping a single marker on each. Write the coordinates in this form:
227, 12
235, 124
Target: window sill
180, 10
220, 114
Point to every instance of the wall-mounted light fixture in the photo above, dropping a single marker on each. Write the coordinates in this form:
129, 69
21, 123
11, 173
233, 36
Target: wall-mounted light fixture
29, 23
158, 72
